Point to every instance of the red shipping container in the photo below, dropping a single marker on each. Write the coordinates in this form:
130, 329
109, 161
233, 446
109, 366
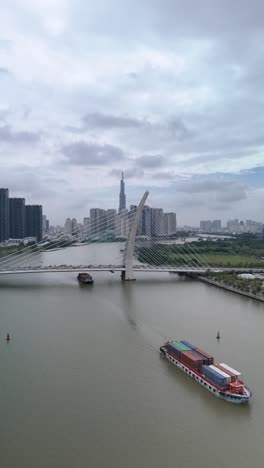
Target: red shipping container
208, 356
191, 359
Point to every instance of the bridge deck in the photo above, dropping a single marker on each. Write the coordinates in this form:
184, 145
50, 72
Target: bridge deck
136, 268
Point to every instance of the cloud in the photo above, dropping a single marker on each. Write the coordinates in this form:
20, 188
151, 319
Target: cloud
166, 175
128, 173
5, 44
170, 19
7, 135
209, 185
170, 127
149, 161
215, 193
31, 183
4, 71
92, 154
4, 111
97, 120
178, 128
229, 194
52, 16
132, 75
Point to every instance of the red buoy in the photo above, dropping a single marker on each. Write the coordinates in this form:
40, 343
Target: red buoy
8, 337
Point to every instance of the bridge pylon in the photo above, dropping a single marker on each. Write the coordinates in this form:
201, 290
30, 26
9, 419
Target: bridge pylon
128, 273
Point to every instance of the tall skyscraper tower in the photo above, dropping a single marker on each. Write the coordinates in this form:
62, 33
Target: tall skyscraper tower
4, 214
17, 218
34, 221
122, 195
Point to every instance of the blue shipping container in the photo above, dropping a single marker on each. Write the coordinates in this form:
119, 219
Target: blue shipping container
213, 375
176, 352
211, 372
188, 344
213, 378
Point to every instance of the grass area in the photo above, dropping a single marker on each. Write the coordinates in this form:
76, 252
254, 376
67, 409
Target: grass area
173, 255
233, 260
8, 250
253, 286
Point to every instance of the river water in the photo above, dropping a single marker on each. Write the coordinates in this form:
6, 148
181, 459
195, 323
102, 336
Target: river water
83, 383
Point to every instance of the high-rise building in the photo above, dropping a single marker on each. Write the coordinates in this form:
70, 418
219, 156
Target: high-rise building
86, 226
122, 195
17, 218
123, 223
170, 223
111, 220
145, 222
34, 221
205, 225
157, 222
45, 225
75, 228
71, 227
4, 214
216, 224
154, 222
68, 226
97, 220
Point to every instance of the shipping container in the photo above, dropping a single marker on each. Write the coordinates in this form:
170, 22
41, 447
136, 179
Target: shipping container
208, 356
238, 374
226, 376
191, 359
203, 358
174, 345
180, 346
214, 376
233, 376
174, 351
188, 344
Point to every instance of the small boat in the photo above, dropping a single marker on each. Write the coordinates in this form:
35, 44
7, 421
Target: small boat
85, 278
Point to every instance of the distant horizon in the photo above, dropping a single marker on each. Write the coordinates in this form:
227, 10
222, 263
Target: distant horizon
61, 223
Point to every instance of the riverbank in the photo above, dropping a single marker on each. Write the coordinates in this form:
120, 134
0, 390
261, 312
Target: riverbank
230, 288
4, 251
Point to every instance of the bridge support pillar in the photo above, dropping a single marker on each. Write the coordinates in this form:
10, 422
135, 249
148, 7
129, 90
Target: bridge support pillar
128, 274
123, 275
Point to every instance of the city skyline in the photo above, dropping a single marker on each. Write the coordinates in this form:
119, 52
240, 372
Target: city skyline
205, 225
178, 106
19, 220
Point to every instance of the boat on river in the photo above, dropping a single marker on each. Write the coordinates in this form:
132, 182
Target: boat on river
220, 379
85, 278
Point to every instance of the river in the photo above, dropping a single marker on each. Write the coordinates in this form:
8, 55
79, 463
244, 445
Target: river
83, 383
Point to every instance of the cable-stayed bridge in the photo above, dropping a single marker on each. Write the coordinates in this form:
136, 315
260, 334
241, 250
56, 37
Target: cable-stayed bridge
121, 268
189, 259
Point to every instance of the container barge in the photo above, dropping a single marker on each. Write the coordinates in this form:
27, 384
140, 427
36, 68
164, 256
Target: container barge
220, 379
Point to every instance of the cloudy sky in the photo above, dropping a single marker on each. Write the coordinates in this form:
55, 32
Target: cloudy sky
171, 92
